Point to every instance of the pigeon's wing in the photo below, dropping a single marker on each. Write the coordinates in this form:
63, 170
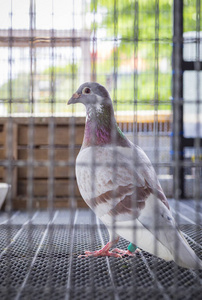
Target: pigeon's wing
116, 182
157, 219
147, 171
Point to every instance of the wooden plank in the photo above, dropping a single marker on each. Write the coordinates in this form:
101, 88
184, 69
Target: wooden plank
126, 117
14, 155
145, 127
1, 173
2, 169
42, 203
2, 153
41, 154
45, 120
43, 38
62, 135
43, 172
2, 134
143, 117
40, 187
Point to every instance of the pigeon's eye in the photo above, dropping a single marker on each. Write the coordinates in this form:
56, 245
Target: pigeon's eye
86, 90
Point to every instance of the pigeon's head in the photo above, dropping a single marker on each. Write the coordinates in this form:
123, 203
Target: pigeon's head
101, 127
91, 94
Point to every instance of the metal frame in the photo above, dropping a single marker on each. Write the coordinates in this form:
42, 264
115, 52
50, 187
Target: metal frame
179, 142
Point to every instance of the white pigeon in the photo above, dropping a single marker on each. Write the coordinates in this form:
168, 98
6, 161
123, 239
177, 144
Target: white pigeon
118, 182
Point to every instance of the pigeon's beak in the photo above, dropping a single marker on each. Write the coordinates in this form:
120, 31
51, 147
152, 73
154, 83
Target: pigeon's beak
74, 99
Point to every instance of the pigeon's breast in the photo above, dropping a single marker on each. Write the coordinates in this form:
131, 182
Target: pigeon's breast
108, 182
92, 167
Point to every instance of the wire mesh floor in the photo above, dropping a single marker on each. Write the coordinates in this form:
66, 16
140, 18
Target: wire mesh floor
39, 260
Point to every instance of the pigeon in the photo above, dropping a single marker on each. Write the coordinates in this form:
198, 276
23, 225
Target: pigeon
118, 182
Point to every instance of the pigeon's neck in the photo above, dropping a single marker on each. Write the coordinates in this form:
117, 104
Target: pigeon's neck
101, 128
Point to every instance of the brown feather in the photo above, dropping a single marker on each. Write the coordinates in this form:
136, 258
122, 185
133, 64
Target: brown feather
132, 199
134, 202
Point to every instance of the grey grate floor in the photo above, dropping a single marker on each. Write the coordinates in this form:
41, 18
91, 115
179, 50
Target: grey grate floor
39, 260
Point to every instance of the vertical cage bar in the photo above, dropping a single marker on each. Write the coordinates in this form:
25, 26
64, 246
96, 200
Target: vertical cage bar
72, 126
197, 140
30, 146
93, 162
114, 137
30, 124
177, 127
94, 44
155, 127
135, 73
177, 91
136, 166
51, 150
115, 55
9, 139
51, 123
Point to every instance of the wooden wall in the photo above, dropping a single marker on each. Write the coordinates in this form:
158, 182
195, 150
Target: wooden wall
31, 158
31, 169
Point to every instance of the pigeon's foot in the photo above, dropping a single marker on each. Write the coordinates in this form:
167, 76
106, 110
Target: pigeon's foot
126, 252
102, 252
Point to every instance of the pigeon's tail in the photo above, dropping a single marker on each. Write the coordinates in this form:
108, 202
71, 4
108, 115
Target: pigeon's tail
163, 227
183, 254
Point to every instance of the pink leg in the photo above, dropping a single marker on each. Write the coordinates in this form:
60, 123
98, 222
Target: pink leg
103, 252
126, 252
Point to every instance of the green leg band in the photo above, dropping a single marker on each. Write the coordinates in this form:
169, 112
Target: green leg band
132, 247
